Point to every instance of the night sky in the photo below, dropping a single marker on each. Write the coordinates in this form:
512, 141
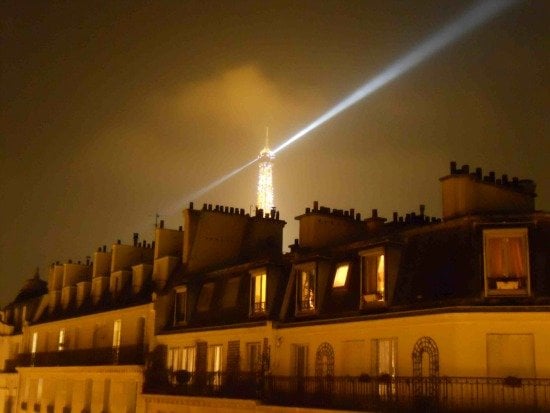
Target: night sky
114, 111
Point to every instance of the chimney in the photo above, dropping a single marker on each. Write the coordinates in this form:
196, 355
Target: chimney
136, 236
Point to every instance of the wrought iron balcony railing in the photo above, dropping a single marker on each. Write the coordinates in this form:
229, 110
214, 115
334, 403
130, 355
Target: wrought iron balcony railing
365, 392
124, 355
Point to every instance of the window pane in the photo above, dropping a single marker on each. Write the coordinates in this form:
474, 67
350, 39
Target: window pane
341, 275
307, 290
180, 306
205, 297
373, 276
506, 261
231, 292
259, 293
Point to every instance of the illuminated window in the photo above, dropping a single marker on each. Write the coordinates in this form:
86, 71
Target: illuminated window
117, 326
373, 277
259, 290
214, 364
34, 342
180, 305
506, 261
341, 275
231, 292
254, 356
205, 297
61, 340
384, 356
306, 285
181, 358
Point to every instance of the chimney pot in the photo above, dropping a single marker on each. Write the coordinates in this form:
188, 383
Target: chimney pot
210, 207
453, 167
315, 205
118, 241
162, 223
422, 209
180, 228
466, 169
136, 236
105, 248
308, 210
358, 216
191, 205
479, 173
204, 207
505, 179
492, 176
375, 213
395, 217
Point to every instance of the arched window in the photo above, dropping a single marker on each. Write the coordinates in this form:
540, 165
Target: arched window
324, 360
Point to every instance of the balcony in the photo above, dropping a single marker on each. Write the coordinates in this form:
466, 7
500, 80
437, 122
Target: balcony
445, 394
123, 355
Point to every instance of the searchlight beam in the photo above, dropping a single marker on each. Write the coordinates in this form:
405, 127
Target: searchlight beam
468, 21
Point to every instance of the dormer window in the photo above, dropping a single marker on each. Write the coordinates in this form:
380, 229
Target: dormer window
180, 305
205, 297
306, 286
373, 276
258, 288
341, 275
61, 340
506, 261
231, 292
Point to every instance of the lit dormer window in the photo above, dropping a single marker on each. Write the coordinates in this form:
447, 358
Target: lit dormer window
61, 340
258, 288
180, 305
341, 275
306, 284
506, 261
373, 276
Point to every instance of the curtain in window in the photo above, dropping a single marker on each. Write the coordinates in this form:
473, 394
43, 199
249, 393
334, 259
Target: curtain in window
505, 257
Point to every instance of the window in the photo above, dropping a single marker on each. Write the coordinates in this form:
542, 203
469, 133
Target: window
181, 358
214, 364
180, 305
299, 367
254, 356
231, 292
373, 276
61, 340
306, 287
384, 355
259, 290
341, 275
205, 297
506, 261
34, 342
116, 332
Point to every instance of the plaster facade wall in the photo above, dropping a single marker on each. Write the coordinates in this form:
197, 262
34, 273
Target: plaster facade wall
94, 330
461, 339
113, 389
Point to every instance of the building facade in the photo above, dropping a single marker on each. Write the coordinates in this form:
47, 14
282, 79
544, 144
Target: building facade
413, 312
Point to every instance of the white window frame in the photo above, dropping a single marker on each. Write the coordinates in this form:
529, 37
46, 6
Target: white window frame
380, 295
499, 233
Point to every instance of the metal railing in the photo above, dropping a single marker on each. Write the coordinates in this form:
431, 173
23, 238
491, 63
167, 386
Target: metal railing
124, 355
366, 393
